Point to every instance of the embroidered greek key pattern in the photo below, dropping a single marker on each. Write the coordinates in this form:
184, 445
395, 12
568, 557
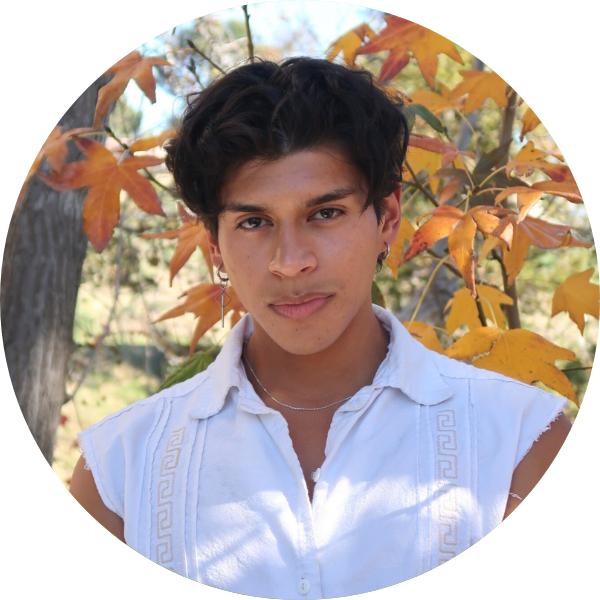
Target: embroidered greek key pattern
447, 475
164, 498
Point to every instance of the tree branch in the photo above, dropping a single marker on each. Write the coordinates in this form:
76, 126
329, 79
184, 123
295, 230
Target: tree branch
209, 60
510, 289
105, 330
248, 33
416, 183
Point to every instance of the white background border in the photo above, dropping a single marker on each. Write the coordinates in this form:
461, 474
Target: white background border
51, 51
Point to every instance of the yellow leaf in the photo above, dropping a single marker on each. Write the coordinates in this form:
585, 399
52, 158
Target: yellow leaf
530, 122
436, 103
577, 296
474, 343
463, 309
516, 353
420, 159
425, 334
396, 257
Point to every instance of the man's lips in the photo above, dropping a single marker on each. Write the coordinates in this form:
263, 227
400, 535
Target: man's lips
299, 308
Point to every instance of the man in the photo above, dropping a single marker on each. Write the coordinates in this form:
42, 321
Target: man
325, 452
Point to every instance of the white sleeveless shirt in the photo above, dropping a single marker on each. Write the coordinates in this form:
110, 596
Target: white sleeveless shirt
418, 467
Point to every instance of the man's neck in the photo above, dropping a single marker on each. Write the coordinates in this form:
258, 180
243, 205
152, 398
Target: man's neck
336, 372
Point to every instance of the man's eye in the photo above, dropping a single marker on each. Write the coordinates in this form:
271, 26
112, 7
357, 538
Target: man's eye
250, 223
327, 213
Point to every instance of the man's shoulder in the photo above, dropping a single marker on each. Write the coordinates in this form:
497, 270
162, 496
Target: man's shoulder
484, 385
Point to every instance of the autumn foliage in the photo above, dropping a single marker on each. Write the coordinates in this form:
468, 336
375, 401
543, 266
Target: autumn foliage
481, 205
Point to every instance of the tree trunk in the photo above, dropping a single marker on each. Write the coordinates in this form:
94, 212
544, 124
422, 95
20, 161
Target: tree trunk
41, 272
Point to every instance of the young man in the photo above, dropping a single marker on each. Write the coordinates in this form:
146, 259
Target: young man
325, 452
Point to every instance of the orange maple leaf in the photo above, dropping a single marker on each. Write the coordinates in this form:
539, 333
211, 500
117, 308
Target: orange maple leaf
431, 154
530, 158
54, 150
577, 296
403, 38
204, 301
517, 353
153, 141
133, 66
349, 43
527, 196
477, 86
531, 231
191, 235
106, 176
460, 229
436, 103
530, 122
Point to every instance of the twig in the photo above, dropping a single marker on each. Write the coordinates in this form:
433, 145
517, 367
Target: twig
448, 266
148, 174
248, 33
576, 369
205, 57
419, 185
106, 329
426, 289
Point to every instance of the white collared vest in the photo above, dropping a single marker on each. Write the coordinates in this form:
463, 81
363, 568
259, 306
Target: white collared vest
418, 468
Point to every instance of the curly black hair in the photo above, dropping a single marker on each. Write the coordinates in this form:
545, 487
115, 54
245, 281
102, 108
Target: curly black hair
265, 110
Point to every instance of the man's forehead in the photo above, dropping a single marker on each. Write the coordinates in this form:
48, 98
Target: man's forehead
307, 176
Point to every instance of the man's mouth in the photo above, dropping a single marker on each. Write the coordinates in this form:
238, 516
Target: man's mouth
300, 307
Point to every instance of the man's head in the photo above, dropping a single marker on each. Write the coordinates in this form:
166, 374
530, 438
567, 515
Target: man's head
294, 168
266, 111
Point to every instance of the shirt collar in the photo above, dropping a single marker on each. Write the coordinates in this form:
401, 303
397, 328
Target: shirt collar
408, 366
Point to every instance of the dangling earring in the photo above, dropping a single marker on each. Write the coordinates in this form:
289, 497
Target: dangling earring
381, 258
223, 285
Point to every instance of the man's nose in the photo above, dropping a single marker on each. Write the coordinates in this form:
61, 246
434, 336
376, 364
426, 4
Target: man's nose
292, 255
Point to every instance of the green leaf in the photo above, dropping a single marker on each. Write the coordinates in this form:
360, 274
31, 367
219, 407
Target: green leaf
428, 117
409, 115
192, 366
377, 296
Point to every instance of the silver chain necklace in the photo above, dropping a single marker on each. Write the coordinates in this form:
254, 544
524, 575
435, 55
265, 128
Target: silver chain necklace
245, 361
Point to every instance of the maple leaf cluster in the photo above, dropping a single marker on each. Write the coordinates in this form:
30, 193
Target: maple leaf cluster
482, 209
473, 230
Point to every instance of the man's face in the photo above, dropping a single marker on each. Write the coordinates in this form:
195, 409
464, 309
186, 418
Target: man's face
295, 227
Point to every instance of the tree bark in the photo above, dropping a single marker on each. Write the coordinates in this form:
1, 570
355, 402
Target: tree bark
41, 272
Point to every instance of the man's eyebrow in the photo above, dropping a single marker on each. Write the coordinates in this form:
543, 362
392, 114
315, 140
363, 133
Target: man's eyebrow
336, 194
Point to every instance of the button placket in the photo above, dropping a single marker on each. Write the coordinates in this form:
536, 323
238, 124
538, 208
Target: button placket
303, 585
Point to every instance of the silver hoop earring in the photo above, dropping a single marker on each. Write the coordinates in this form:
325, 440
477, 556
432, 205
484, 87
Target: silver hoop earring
386, 252
381, 258
223, 284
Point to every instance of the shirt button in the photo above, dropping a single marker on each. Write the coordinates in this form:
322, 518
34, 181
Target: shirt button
303, 586
316, 474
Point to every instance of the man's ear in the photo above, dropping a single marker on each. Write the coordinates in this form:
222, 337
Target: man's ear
390, 216
215, 252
